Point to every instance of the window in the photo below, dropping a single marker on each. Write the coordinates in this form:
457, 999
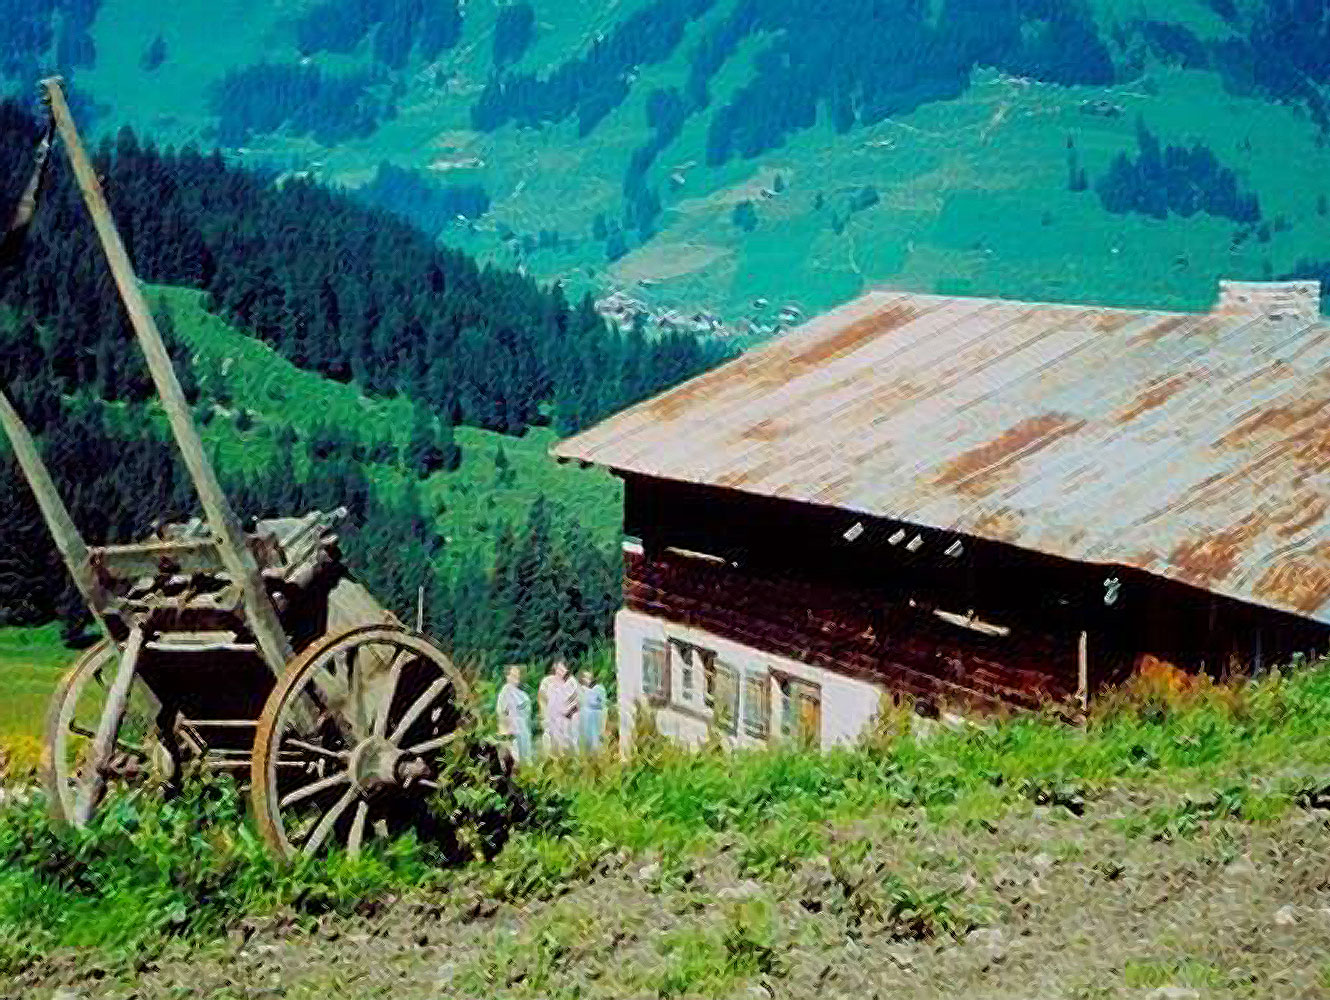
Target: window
685, 655
691, 668
722, 695
757, 706
800, 710
655, 672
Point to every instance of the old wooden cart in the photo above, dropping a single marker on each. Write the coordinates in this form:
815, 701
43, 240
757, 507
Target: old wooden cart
252, 651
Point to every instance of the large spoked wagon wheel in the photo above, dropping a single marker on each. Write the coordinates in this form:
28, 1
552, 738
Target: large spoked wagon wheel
136, 753
350, 742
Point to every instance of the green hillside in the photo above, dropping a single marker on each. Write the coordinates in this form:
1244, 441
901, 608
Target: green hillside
283, 409
470, 501
965, 191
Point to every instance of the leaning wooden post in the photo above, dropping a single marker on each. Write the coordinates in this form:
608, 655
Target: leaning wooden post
73, 549
93, 780
1083, 671
235, 555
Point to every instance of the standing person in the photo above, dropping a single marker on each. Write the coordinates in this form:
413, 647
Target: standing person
564, 703
513, 710
545, 695
592, 711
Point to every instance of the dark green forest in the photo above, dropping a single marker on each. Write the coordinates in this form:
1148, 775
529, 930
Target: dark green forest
337, 287
430, 205
302, 100
1182, 180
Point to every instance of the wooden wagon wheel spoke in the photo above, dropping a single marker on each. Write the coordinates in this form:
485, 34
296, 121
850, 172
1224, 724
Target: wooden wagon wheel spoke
356, 839
314, 788
418, 707
356, 781
429, 746
384, 703
317, 750
330, 818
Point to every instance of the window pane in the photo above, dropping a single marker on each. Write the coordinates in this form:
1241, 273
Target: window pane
801, 710
725, 703
655, 671
757, 706
810, 714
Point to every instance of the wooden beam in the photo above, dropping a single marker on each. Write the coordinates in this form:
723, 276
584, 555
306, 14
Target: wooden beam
234, 553
93, 780
73, 549
190, 555
1083, 670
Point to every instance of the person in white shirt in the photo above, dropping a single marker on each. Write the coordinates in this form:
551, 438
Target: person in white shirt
513, 710
592, 712
561, 708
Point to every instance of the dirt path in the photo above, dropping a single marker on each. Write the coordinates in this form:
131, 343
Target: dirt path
1044, 904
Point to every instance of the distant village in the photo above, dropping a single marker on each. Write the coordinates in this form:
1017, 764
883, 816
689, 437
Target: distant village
767, 318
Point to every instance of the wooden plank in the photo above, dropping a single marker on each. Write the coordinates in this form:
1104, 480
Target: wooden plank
64, 532
1083, 671
108, 727
146, 558
837, 629
235, 554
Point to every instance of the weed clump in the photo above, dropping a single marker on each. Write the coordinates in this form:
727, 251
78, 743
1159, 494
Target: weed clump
873, 900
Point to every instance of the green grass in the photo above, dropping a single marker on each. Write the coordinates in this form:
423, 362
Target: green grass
148, 873
1147, 974
143, 873
31, 661
1216, 740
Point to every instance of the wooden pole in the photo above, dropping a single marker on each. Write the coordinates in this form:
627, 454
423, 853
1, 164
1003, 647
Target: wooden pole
235, 555
93, 780
68, 541
1083, 670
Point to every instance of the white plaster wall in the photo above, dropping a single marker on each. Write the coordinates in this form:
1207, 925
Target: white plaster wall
848, 703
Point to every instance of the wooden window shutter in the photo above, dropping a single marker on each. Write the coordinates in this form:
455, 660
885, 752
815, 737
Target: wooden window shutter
757, 706
655, 672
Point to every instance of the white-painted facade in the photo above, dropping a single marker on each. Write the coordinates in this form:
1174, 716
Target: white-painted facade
682, 674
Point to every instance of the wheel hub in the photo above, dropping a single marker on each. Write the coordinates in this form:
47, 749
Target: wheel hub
374, 765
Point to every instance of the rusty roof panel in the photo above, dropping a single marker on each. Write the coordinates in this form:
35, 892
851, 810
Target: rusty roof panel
1195, 447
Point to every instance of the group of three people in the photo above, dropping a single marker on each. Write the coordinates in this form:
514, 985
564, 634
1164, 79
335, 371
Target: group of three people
572, 712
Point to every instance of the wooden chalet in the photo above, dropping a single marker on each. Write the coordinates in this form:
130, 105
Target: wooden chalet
975, 502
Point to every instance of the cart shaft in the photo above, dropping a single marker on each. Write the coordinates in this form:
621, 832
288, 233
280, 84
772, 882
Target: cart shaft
235, 556
73, 549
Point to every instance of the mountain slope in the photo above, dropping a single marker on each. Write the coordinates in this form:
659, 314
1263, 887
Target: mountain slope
710, 155
368, 391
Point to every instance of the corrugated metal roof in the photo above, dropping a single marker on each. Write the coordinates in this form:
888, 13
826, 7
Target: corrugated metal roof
1192, 446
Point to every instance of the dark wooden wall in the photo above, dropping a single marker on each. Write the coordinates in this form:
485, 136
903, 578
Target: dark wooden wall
791, 583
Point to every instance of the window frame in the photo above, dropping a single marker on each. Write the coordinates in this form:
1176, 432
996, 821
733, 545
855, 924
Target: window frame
787, 685
716, 668
658, 694
760, 681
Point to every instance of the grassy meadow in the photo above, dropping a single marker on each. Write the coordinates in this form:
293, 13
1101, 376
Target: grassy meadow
31, 661
471, 501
